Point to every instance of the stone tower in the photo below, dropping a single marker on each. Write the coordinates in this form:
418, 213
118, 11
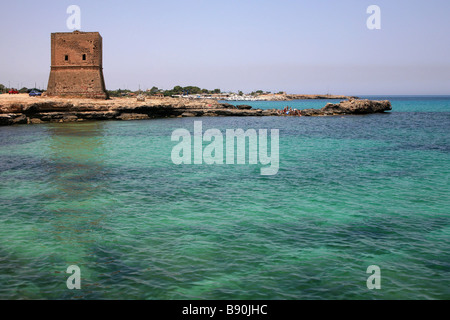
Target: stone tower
77, 67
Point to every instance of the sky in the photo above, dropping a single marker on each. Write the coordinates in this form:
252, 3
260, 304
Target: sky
297, 46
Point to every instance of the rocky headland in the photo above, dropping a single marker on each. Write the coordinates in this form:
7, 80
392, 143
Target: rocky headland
351, 106
21, 109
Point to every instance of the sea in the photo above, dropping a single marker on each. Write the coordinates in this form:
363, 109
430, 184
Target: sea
351, 192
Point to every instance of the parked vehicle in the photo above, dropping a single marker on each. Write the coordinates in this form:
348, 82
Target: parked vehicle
35, 93
13, 91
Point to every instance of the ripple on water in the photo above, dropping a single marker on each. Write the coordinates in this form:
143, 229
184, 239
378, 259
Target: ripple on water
350, 193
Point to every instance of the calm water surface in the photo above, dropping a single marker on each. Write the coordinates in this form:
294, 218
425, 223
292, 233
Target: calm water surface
351, 192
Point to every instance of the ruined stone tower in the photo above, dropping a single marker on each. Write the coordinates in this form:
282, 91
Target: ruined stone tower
77, 68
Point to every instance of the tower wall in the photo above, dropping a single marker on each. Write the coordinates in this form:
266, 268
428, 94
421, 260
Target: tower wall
76, 66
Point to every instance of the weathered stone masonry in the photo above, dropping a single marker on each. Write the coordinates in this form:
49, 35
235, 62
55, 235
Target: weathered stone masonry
77, 67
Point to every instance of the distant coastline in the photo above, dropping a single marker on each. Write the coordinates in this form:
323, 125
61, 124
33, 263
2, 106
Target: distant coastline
265, 97
288, 97
196, 93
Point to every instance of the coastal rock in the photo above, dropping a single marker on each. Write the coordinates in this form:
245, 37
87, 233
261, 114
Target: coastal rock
12, 118
88, 107
69, 118
98, 115
47, 107
244, 107
227, 106
350, 107
210, 114
357, 107
133, 116
35, 121
270, 112
188, 114
23, 109
311, 112
14, 108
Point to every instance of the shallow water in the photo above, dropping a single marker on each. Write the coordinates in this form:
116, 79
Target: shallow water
351, 192
399, 103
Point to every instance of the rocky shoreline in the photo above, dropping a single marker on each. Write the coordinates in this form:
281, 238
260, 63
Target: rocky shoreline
27, 110
350, 107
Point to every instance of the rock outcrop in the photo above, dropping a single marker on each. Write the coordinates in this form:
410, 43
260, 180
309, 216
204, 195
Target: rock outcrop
12, 118
23, 110
350, 107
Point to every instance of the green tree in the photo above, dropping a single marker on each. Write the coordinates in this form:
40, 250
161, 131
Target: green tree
177, 90
188, 90
192, 90
169, 93
154, 90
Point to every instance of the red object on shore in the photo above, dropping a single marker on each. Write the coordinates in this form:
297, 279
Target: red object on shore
13, 91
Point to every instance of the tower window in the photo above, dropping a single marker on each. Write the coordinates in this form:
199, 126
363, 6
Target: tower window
66, 57
84, 57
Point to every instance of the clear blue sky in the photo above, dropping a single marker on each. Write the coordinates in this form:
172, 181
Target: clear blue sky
299, 46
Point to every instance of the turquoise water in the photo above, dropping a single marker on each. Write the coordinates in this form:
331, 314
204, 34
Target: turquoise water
351, 192
400, 103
